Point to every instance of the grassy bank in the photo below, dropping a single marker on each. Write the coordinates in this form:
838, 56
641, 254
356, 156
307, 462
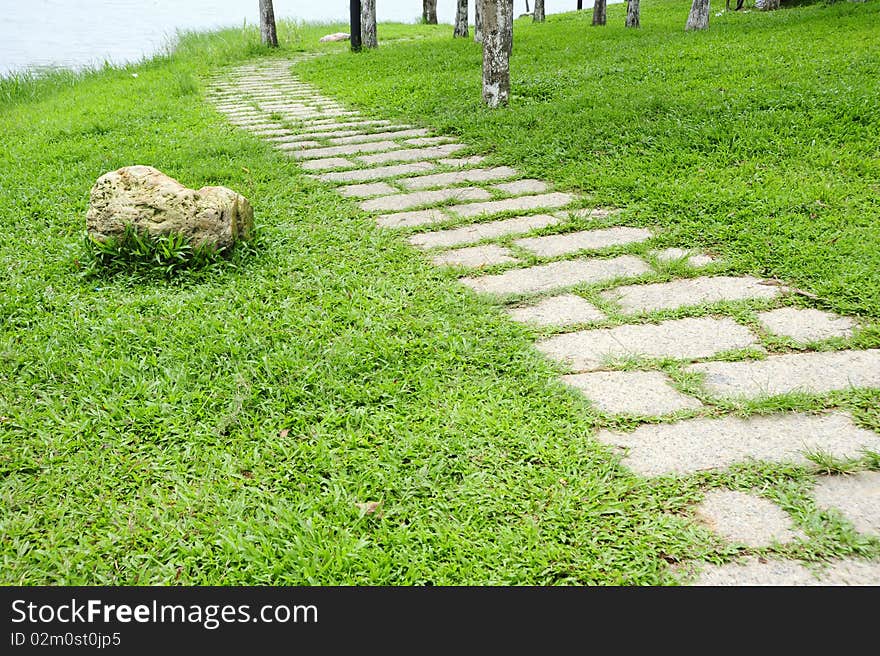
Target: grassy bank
222, 427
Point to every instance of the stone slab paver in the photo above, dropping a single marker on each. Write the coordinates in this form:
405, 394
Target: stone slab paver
688, 292
694, 259
367, 190
410, 219
855, 496
359, 138
411, 154
296, 145
428, 141
701, 444
309, 136
520, 203
475, 256
349, 149
766, 572
458, 177
399, 202
377, 173
647, 393
555, 275
806, 325
328, 163
571, 242
793, 372
478, 231
332, 124
746, 519
690, 338
473, 160
525, 186
562, 310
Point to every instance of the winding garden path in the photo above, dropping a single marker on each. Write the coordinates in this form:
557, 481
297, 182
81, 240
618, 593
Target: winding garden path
659, 336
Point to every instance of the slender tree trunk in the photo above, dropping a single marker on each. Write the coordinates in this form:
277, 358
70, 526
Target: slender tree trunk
698, 19
599, 12
632, 13
580, 4
354, 17
497, 44
539, 11
527, 7
478, 20
267, 24
368, 24
429, 12
461, 19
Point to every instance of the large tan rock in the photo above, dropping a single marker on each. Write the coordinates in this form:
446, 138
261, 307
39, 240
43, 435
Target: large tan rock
152, 202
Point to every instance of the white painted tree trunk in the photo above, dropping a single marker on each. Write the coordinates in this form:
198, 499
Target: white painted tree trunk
267, 24
632, 13
461, 19
538, 16
698, 19
369, 38
497, 44
429, 12
599, 12
478, 20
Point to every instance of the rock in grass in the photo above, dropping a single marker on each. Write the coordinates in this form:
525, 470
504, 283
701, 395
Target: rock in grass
151, 202
336, 36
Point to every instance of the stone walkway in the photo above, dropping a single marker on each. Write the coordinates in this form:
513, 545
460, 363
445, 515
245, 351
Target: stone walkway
643, 333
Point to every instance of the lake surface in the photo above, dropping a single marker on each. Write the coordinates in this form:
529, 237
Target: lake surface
79, 33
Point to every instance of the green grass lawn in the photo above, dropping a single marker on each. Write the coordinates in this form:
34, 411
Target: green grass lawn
221, 427
758, 139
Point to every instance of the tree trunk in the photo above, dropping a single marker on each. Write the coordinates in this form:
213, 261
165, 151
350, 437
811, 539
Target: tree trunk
767, 5
267, 24
354, 17
698, 19
461, 19
632, 13
580, 4
539, 11
599, 12
368, 24
429, 12
478, 20
497, 44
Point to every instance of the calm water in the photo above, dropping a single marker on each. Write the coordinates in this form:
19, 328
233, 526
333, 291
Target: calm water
77, 33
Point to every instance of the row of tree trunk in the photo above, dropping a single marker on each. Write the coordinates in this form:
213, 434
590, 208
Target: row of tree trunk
698, 18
